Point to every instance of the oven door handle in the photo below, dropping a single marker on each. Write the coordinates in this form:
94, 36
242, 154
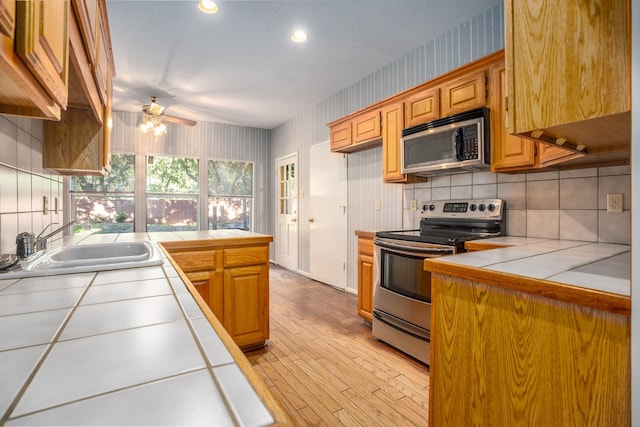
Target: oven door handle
413, 250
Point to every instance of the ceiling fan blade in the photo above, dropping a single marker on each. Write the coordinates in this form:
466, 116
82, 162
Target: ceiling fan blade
179, 120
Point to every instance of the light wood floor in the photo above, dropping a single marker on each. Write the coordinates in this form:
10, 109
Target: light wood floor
326, 368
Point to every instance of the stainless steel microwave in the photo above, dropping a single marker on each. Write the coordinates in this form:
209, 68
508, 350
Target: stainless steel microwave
456, 143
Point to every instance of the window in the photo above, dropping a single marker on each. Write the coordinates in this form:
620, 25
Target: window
172, 193
230, 193
104, 204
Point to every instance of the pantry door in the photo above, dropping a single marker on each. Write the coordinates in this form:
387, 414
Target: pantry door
287, 211
327, 216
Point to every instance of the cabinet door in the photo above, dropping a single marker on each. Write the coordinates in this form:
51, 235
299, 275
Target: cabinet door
7, 17
508, 152
422, 107
392, 131
42, 43
340, 136
200, 281
567, 61
246, 304
365, 278
464, 93
366, 127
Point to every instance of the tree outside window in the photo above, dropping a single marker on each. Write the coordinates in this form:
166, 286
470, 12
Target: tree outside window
105, 204
172, 193
230, 191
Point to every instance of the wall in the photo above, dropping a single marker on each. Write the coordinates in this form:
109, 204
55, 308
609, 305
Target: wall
23, 182
206, 140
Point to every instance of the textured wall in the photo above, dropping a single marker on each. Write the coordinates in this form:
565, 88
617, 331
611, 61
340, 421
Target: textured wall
23, 182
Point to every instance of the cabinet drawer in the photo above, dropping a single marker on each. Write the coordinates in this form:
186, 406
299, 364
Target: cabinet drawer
365, 246
246, 256
195, 261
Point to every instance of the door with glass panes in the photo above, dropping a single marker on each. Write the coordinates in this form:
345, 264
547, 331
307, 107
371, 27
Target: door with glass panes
287, 211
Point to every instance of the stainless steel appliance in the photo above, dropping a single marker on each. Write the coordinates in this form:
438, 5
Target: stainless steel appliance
456, 143
402, 289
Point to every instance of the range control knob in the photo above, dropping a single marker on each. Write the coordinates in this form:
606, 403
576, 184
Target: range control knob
473, 207
425, 208
492, 207
482, 207
432, 208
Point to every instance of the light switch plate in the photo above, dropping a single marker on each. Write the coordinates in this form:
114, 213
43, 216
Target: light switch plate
378, 205
414, 205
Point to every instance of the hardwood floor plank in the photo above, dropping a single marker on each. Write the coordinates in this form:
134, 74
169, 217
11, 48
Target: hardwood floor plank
325, 366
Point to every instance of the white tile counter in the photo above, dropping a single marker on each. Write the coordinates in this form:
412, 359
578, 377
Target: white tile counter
120, 347
588, 271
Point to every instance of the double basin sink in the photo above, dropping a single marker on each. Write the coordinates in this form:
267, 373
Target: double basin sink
84, 258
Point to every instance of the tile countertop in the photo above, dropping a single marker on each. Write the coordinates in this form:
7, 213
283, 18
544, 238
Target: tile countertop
120, 347
596, 275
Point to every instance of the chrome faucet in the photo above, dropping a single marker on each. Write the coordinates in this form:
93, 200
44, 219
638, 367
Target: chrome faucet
28, 243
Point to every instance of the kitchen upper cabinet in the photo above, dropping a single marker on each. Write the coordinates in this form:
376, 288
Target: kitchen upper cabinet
464, 93
422, 107
41, 41
80, 143
568, 73
356, 132
512, 152
392, 122
22, 92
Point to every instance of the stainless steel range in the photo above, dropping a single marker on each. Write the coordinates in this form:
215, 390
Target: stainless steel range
402, 289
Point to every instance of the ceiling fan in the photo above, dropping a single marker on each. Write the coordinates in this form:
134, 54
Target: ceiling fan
154, 117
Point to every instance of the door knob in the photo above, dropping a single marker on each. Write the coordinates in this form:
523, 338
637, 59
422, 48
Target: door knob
294, 220
311, 220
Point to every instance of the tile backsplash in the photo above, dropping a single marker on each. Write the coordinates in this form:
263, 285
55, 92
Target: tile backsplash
568, 204
24, 183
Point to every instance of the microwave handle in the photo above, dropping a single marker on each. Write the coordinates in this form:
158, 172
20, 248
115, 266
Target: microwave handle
458, 140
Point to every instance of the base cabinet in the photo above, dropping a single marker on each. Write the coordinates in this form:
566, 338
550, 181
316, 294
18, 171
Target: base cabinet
234, 283
517, 359
365, 277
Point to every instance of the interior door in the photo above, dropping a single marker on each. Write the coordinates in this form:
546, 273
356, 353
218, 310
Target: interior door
328, 216
287, 211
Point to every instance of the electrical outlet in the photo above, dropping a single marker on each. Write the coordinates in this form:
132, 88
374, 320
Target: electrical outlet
378, 205
614, 203
414, 205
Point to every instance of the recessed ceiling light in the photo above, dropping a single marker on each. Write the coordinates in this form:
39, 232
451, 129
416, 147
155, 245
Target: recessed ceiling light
299, 36
207, 6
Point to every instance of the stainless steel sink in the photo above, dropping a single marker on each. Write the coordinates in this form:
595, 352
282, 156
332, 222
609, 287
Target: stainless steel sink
84, 258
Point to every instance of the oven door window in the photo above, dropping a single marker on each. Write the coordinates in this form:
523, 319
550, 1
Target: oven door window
405, 275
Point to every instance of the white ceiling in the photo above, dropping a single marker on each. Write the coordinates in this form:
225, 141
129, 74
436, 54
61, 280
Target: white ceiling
239, 65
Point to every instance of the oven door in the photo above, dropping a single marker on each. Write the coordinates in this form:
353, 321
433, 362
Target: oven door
401, 286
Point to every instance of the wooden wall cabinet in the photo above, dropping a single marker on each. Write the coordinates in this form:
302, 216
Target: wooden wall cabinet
365, 275
422, 107
33, 78
80, 143
569, 72
233, 280
358, 132
512, 152
464, 93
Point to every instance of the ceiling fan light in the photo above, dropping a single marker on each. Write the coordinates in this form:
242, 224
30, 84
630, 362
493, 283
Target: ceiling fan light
207, 6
